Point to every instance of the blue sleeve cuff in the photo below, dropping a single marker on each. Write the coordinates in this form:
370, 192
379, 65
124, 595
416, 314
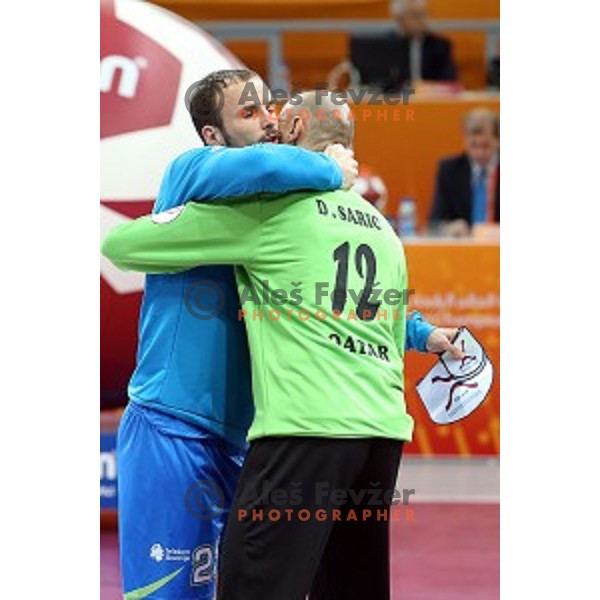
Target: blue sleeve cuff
418, 331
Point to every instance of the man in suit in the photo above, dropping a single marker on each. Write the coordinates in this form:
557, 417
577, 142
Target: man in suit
410, 54
467, 190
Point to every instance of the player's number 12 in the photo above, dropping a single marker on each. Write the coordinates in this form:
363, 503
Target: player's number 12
365, 262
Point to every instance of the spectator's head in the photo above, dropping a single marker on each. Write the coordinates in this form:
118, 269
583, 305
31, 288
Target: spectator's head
228, 109
316, 119
482, 135
411, 16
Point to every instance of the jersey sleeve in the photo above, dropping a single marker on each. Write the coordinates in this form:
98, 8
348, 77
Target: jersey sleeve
418, 331
187, 236
220, 172
399, 327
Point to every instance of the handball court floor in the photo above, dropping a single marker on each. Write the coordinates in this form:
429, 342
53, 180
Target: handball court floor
449, 551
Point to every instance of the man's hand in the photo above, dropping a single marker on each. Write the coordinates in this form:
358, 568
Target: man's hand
439, 341
344, 157
340, 76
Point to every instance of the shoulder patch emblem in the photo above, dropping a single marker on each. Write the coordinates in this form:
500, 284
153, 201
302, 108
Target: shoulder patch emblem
167, 216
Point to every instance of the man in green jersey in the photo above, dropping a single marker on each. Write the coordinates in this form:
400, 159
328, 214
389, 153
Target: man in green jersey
323, 283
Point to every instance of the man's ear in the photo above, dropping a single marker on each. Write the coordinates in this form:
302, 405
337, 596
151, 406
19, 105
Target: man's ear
296, 129
212, 136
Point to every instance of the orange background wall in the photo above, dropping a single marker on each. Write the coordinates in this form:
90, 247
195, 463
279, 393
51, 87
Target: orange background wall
405, 153
456, 284
310, 56
197, 10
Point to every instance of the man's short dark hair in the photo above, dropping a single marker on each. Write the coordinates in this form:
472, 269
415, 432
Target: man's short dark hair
206, 96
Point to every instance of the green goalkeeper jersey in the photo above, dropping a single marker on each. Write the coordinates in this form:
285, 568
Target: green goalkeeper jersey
323, 285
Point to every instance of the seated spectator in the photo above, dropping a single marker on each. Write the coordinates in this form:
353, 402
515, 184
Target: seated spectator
408, 55
467, 190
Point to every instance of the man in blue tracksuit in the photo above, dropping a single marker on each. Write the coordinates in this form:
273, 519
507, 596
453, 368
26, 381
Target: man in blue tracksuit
181, 441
